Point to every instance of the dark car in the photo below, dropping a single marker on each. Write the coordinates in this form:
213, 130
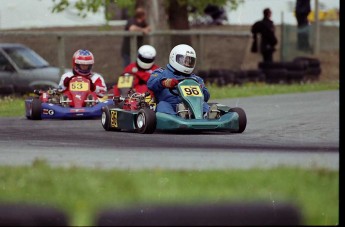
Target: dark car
22, 70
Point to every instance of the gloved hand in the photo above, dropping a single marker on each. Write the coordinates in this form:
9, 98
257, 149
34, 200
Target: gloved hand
169, 83
66, 81
60, 89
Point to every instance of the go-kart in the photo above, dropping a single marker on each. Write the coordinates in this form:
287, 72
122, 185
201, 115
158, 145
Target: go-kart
76, 102
134, 113
124, 84
128, 82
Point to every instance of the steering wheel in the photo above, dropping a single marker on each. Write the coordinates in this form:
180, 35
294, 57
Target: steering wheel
172, 91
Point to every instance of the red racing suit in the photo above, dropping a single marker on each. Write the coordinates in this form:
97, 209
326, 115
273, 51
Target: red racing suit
97, 83
140, 79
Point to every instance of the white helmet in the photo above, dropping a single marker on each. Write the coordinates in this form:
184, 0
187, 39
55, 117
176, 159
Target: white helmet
183, 58
146, 56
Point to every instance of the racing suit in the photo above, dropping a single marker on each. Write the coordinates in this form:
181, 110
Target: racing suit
97, 83
140, 79
166, 102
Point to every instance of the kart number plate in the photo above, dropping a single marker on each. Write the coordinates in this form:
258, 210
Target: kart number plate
79, 86
113, 118
125, 81
191, 91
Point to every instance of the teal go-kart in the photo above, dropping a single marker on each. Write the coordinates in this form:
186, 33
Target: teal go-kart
136, 112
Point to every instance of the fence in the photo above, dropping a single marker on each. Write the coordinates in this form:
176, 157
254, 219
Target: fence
215, 49
328, 40
225, 47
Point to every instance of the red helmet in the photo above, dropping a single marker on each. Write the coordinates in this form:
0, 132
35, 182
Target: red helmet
82, 57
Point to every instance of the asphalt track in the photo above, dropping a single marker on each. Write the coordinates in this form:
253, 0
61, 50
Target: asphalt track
299, 130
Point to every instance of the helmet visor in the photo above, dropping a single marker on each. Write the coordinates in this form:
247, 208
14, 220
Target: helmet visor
145, 60
83, 69
186, 61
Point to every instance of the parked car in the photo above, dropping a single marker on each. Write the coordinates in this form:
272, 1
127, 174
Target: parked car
22, 70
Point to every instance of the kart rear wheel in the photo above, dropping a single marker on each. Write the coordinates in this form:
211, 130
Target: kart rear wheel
36, 109
106, 119
242, 118
146, 121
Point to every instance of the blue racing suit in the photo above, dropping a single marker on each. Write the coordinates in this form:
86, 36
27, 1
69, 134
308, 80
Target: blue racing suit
166, 102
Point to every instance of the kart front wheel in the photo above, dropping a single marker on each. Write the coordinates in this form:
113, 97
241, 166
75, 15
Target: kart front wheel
36, 109
242, 118
146, 121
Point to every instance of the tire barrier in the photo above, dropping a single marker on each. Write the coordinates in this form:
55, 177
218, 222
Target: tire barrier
236, 214
294, 66
31, 215
212, 214
275, 76
313, 67
300, 69
310, 62
256, 76
223, 77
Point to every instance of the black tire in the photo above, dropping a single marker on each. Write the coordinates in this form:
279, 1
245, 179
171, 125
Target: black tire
311, 62
203, 74
271, 65
314, 71
213, 214
229, 76
105, 119
25, 214
240, 77
146, 121
288, 65
275, 76
255, 75
36, 109
242, 118
294, 76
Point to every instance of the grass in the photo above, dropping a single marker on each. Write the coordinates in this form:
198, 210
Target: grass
14, 106
11, 106
258, 89
82, 192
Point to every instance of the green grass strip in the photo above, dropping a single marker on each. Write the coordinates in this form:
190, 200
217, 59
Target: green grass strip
82, 192
260, 89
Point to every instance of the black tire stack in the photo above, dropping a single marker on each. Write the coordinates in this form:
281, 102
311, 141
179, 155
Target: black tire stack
223, 77
300, 69
312, 67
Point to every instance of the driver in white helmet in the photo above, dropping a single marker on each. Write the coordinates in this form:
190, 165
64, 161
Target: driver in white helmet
182, 61
141, 69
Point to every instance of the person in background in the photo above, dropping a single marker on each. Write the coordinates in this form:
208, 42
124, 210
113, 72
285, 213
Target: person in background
82, 63
182, 62
137, 24
302, 10
141, 69
268, 40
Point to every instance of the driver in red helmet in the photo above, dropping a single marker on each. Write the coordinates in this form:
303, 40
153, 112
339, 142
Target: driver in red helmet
82, 63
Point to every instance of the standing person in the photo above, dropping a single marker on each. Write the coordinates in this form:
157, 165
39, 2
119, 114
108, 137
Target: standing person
182, 61
141, 69
268, 40
302, 11
136, 24
82, 62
